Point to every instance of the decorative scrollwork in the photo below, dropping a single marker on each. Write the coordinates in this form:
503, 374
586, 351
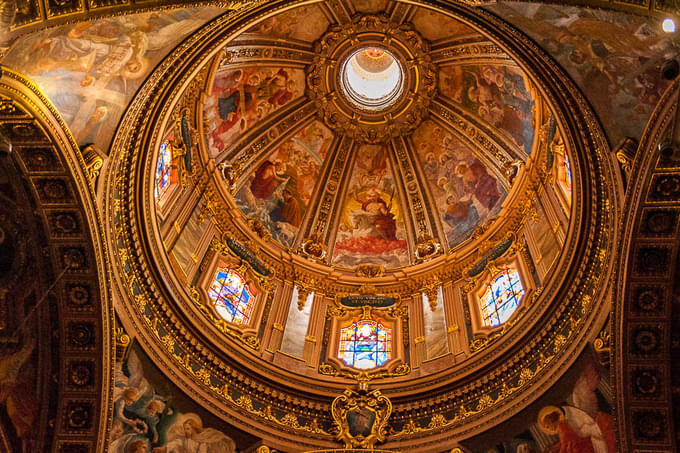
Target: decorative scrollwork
361, 417
405, 112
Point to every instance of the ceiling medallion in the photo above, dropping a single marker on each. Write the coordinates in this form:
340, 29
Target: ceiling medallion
372, 80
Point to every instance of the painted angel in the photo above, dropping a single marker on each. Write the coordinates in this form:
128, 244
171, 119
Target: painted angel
187, 435
130, 391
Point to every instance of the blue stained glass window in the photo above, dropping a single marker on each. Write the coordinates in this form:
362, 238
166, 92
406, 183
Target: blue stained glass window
365, 344
501, 298
567, 169
165, 171
232, 297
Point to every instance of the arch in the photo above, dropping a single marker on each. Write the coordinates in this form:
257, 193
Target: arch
643, 324
73, 278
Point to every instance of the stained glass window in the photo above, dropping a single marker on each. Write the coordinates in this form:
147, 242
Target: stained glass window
166, 173
501, 298
232, 297
567, 172
365, 344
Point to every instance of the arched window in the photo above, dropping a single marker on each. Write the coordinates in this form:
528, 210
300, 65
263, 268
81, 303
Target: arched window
166, 172
501, 298
365, 344
232, 297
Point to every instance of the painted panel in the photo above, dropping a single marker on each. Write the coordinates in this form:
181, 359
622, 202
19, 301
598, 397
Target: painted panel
279, 190
436, 342
371, 228
185, 249
497, 94
91, 70
293, 341
307, 23
465, 191
152, 414
615, 58
548, 246
242, 97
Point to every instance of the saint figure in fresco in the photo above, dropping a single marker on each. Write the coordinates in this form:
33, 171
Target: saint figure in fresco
382, 218
582, 427
476, 180
289, 209
267, 177
187, 435
461, 215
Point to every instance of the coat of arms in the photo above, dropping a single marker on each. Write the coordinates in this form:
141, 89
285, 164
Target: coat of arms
361, 417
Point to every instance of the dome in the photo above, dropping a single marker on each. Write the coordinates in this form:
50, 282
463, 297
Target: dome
376, 197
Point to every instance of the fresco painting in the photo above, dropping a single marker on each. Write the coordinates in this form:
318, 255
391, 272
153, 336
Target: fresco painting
91, 70
306, 23
434, 26
279, 190
19, 388
152, 416
242, 96
459, 183
497, 94
371, 227
614, 58
575, 416
370, 6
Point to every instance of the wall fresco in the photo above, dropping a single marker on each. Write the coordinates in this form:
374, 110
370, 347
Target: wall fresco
371, 227
279, 190
497, 94
434, 26
614, 58
461, 186
91, 70
152, 415
307, 23
575, 416
243, 96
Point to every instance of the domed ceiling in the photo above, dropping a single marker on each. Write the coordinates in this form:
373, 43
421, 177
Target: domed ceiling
307, 195
409, 173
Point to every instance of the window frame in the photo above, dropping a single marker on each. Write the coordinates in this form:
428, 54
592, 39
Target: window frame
482, 282
252, 279
172, 193
349, 316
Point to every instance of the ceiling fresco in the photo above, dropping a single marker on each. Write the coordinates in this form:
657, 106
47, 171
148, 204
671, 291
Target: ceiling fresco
614, 58
434, 26
306, 23
461, 185
91, 70
279, 191
371, 222
242, 97
499, 95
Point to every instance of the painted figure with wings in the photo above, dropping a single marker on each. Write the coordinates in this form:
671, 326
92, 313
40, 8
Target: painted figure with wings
187, 435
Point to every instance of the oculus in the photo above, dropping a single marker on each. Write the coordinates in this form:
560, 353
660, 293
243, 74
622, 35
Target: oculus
372, 78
